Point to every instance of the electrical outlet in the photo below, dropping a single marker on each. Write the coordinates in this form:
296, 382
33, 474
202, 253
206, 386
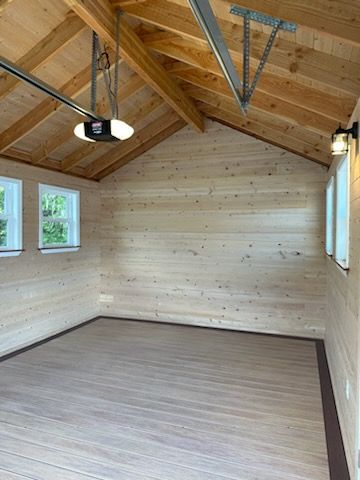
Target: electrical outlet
347, 389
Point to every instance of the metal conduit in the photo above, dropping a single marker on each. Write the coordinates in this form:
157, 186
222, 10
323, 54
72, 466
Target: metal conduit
46, 88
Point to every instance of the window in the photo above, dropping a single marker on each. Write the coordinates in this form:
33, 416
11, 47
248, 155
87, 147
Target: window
342, 213
329, 217
10, 217
59, 226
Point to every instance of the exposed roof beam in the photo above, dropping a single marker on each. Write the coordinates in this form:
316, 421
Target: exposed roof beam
4, 4
23, 156
331, 19
133, 85
264, 133
100, 16
285, 56
336, 18
132, 118
44, 110
114, 156
43, 51
314, 144
144, 147
338, 107
294, 114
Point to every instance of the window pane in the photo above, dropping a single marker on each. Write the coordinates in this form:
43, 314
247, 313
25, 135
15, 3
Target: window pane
342, 210
3, 233
2, 199
55, 233
54, 206
329, 216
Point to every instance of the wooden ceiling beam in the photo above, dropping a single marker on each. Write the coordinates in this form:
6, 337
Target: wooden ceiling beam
298, 62
132, 86
22, 156
43, 51
336, 18
312, 141
144, 147
338, 107
100, 16
264, 133
113, 156
293, 114
4, 4
132, 118
43, 111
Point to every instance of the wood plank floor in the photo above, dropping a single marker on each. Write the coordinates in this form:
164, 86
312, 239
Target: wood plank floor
142, 401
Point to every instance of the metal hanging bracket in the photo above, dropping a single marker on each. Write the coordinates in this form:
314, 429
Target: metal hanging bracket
242, 89
262, 18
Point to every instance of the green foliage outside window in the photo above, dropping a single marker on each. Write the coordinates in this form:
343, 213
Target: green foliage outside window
3, 233
3, 223
2, 199
54, 207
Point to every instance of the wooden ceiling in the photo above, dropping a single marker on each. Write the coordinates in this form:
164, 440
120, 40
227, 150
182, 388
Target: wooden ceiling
170, 78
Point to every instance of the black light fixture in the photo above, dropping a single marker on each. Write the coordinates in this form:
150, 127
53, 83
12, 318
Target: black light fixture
340, 140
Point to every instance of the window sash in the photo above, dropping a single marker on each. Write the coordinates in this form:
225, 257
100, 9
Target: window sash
72, 219
329, 225
12, 213
342, 213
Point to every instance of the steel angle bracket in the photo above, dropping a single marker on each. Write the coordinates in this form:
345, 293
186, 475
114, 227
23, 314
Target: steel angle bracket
276, 24
242, 89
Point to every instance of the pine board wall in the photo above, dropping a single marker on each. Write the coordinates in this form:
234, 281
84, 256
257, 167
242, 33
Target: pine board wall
43, 294
217, 229
343, 325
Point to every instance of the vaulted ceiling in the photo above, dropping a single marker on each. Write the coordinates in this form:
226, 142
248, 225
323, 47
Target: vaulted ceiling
170, 78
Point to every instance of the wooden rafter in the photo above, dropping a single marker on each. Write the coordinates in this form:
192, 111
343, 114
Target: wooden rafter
313, 144
43, 51
113, 157
338, 107
40, 153
286, 56
264, 133
4, 4
146, 145
293, 114
100, 16
132, 118
335, 18
43, 111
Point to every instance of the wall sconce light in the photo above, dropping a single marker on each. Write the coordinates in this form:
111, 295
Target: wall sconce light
340, 140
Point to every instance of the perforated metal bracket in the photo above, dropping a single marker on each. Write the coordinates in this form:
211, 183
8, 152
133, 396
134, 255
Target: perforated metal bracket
242, 89
262, 18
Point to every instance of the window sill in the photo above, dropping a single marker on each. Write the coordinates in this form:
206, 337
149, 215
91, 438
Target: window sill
14, 253
46, 251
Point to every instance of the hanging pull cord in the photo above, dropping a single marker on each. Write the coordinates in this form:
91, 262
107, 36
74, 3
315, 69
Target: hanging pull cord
94, 53
100, 61
104, 66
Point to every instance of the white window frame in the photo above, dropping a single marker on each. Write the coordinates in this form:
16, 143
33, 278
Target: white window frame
72, 219
329, 223
344, 261
13, 214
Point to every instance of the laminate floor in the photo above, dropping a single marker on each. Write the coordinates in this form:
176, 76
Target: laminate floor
132, 400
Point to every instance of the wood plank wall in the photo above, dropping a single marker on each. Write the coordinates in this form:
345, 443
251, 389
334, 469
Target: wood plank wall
218, 229
343, 325
43, 294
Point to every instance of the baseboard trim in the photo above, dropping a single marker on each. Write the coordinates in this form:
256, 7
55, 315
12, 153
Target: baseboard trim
47, 339
335, 447
211, 327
